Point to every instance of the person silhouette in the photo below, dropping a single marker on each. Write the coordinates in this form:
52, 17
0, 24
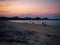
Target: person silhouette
45, 24
42, 23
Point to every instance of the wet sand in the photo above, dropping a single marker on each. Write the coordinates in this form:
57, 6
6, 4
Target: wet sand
52, 30
12, 33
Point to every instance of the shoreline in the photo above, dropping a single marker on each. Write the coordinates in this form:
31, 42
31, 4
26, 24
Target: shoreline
28, 34
51, 23
52, 30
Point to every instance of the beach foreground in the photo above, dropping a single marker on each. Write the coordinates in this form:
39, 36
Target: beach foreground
28, 34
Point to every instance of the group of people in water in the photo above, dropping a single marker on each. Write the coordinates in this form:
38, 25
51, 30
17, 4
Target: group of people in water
43, 23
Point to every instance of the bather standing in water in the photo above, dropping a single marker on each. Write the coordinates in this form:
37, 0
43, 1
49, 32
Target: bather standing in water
44, 23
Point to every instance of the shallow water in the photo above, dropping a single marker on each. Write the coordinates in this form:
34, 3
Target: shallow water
48, 22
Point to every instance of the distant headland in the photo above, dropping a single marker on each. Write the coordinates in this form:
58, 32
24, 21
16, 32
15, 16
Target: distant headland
25, 18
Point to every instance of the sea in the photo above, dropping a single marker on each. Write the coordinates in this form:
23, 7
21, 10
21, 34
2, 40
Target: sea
48, 22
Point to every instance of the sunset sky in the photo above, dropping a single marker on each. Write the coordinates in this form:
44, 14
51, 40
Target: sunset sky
30, 8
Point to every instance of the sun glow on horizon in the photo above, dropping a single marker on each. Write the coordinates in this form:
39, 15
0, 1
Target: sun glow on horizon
28, 7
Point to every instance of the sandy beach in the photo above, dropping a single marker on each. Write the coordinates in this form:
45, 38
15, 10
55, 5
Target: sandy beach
52, 30
29, 34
